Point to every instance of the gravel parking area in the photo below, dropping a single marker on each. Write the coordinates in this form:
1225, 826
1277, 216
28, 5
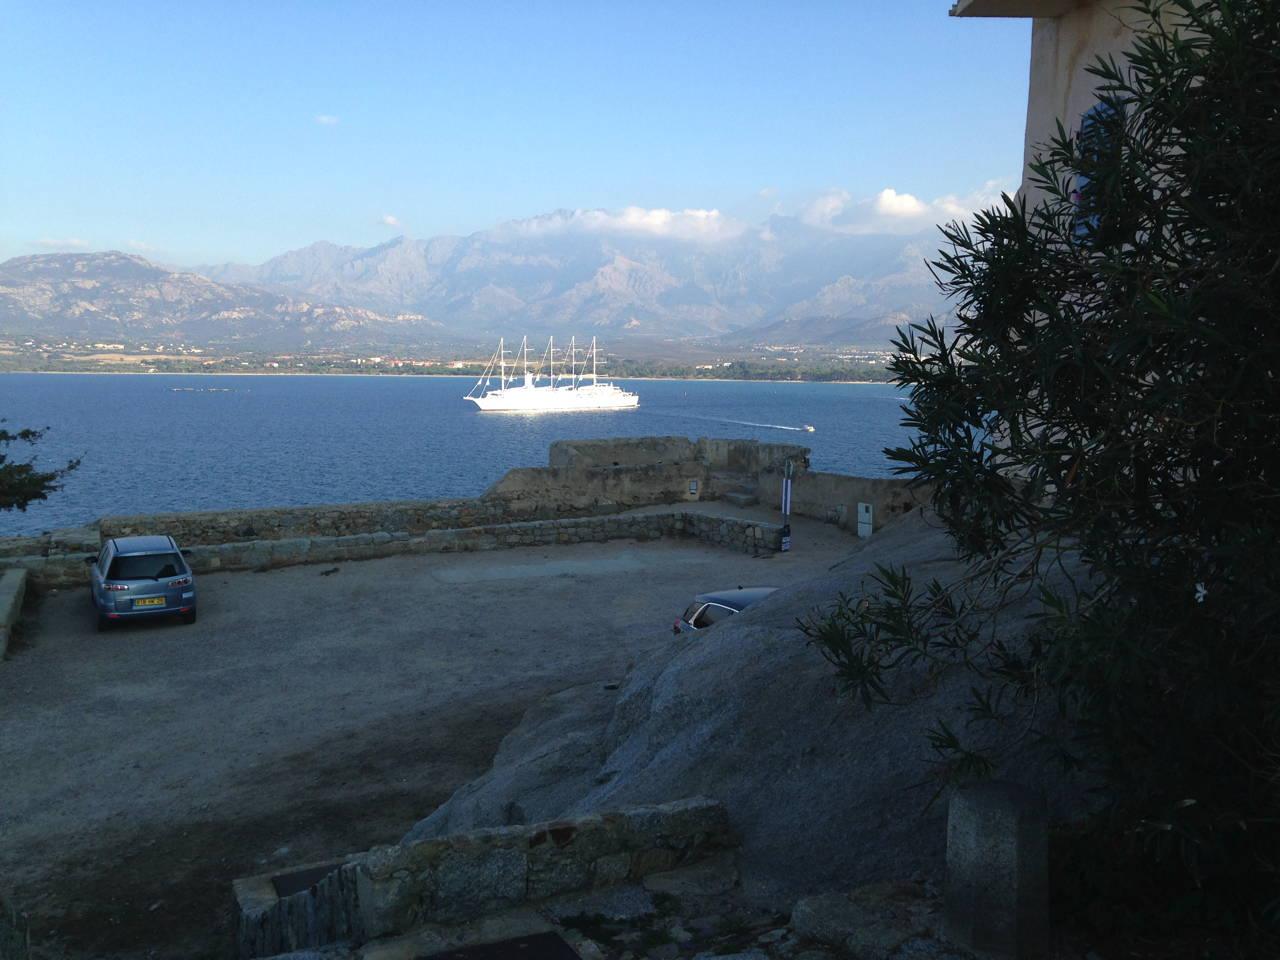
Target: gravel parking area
311, 711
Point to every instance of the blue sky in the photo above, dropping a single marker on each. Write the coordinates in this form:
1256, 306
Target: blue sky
202, 132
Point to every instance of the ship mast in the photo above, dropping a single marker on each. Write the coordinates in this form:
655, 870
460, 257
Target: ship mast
502, 364
551, 347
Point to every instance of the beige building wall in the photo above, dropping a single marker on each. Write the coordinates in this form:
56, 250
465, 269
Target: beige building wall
1066, 37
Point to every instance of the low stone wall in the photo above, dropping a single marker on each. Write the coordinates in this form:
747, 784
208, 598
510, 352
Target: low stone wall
587, 480
15, 937
834, 497
13, 588
459, 878
328, 520
525, 493
751, 536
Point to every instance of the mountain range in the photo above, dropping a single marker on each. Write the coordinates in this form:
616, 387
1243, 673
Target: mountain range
118, 296
569, 272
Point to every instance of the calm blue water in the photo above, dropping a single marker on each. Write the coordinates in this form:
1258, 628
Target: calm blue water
277, 440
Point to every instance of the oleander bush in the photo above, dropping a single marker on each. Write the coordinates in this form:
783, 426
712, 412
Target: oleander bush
1100, 426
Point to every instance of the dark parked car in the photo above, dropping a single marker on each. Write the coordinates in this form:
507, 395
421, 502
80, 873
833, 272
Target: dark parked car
141, 577
711, 608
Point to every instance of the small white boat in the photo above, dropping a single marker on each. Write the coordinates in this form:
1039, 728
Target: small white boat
809, 428
533, 391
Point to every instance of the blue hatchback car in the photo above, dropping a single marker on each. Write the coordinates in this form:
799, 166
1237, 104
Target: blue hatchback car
141, 577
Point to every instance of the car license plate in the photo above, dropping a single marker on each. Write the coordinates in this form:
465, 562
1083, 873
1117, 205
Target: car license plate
149, 602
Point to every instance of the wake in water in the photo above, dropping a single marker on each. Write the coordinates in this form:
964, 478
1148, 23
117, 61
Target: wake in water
806, 428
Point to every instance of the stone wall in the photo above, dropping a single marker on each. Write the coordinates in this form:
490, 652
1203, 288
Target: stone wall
750, 457
329, 520
752, 536
15, 937
526, 493
579, 491
622, 452
747, 457
13, 589
834, 497
454, 879
585, 478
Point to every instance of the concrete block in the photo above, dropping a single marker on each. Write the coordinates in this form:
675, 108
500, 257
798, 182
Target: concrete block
997, 895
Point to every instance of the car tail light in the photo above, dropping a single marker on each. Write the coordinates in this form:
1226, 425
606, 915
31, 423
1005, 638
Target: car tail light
675, 627
115, 586
180, 582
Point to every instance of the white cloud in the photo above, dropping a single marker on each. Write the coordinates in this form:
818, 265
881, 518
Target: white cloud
891, 203
390, 220
140, 246
69, 243
891, 211
824, 209
767, 193
694, 225
327, 120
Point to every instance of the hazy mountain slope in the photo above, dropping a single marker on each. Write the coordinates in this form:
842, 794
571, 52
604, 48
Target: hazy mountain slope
564, 273
546, 276
117, 296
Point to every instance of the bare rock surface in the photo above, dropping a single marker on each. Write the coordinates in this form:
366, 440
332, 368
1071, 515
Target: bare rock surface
825, 794
872, 922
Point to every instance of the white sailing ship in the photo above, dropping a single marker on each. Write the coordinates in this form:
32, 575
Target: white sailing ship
574, 386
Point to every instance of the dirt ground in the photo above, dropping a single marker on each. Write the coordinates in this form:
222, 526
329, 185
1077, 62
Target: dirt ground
311, 712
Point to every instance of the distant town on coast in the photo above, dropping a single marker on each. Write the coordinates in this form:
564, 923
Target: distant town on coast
673, 360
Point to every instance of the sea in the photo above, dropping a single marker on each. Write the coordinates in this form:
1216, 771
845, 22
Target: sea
150, 443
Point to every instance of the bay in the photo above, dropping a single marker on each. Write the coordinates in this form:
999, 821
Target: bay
156, 442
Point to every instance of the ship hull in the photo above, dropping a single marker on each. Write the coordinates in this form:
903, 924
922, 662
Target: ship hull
555, 400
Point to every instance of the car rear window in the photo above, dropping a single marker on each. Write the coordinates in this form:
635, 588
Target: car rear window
692, 611
150, 566
713, 613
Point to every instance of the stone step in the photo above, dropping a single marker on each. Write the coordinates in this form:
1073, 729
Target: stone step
741, 498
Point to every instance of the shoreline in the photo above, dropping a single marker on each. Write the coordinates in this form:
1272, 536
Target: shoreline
393, 376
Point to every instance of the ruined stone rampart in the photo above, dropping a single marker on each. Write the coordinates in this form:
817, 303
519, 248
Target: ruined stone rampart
454, 879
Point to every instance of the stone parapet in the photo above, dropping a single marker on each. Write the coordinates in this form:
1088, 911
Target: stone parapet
586, 482
584, 478
751, 536
13, 588
458, 878
329, 520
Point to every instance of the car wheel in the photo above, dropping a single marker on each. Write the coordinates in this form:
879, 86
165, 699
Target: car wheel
189, 617
103, 623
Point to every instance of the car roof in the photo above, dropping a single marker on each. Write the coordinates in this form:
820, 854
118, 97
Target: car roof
135, 545
738, 599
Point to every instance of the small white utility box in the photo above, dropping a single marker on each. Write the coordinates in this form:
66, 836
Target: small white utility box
864, 519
